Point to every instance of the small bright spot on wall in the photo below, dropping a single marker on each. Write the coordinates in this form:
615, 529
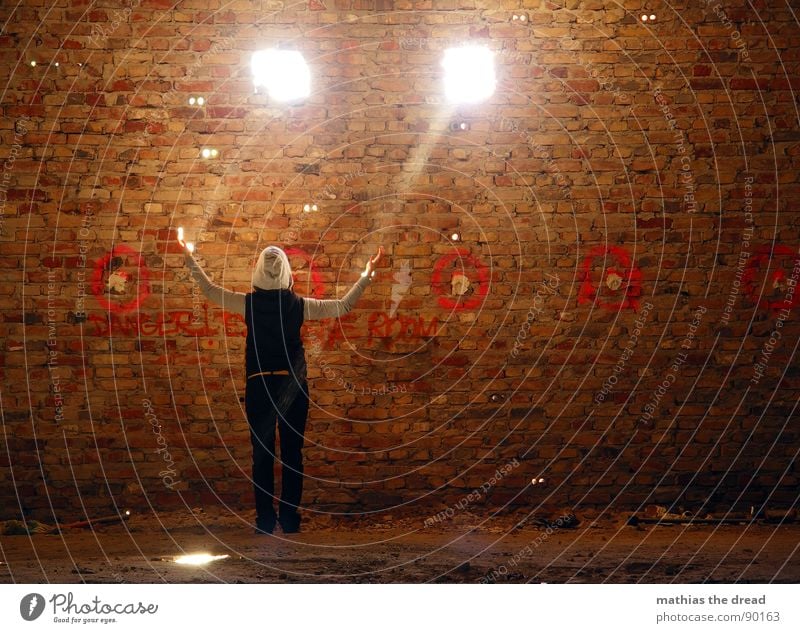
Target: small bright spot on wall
209, 152
455, 237
33, 63
458, 126
469, 74
651, 17
519, 17
284, 74
309, 207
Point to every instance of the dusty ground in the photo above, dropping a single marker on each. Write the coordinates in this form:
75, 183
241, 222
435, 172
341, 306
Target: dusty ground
467, 548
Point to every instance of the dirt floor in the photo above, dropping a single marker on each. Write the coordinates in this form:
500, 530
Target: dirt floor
464, 549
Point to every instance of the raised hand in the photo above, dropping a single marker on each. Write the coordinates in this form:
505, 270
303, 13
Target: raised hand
370, 269
188, 247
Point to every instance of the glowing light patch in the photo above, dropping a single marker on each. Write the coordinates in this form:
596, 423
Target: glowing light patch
402, 283
283, 73
469, 74
198, 559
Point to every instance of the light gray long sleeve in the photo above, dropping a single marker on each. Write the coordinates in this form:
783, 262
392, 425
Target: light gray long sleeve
229, 300
313, 309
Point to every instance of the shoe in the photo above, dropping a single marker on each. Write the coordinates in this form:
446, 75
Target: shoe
290, 525
265, 527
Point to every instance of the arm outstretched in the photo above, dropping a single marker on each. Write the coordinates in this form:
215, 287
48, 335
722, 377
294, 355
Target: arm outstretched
227, 299
314, 309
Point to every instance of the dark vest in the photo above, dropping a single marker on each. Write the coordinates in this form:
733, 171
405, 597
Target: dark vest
273, 319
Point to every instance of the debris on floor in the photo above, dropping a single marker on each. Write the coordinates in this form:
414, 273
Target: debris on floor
31, 526
20, 528
467, 548
660, 515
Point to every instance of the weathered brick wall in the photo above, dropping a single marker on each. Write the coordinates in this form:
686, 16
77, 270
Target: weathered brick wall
624, 334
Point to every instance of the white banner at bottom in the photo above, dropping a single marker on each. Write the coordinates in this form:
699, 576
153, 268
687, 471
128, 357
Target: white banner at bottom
398, 608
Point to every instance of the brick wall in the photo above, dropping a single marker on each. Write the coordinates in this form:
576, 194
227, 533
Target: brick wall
627, 211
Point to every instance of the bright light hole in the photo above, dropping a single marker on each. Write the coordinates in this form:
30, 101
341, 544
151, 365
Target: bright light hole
198, 559
283, 73
469, 74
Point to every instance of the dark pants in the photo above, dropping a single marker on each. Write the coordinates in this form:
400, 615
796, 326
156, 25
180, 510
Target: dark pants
264, 397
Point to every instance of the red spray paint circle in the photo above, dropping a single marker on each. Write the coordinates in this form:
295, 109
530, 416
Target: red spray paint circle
618, 262
761, 259
317, 287
441, 286
103, 274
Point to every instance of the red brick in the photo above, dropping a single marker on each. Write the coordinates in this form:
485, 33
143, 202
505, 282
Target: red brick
114, 144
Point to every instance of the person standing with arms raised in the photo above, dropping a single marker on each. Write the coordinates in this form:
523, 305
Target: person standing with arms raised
276, 392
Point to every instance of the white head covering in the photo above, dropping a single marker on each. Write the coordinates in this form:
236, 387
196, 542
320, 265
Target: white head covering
272, 271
